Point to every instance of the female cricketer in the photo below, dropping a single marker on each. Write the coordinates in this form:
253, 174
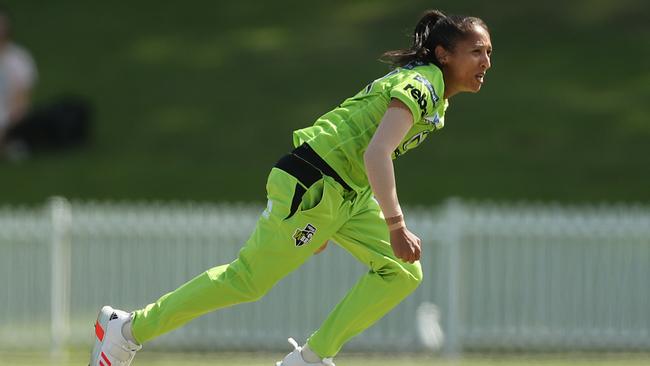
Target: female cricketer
338, 183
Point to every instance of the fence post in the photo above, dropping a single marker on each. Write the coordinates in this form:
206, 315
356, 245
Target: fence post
453, 226
61, 221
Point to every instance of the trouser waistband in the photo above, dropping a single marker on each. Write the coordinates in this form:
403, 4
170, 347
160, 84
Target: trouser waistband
308, 167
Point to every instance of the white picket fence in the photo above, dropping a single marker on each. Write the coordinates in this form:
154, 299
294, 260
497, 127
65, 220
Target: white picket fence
501, 276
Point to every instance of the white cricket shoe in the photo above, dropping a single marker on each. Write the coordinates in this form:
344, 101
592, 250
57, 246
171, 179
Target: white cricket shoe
295, 358
111, 348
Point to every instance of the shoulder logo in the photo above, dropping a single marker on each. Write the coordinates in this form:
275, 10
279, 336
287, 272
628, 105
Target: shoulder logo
428, 85
419, 96
304, 236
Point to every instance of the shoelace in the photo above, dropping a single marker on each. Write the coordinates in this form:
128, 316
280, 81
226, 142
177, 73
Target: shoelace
326, 361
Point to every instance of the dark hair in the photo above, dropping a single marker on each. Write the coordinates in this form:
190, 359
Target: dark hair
434, 29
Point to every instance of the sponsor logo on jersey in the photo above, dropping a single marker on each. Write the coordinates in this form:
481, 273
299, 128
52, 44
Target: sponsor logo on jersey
414, 141
419, 96
411, 143
434, 120
304, 236
428, 85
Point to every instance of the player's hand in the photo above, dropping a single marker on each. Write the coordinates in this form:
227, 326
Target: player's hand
406, 245
322, 247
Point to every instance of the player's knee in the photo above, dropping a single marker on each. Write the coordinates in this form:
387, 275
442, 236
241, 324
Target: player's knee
413, 275
248, 286
408, 276
403, 276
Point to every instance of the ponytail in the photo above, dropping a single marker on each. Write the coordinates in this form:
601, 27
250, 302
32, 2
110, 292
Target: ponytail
423, 30
434, 29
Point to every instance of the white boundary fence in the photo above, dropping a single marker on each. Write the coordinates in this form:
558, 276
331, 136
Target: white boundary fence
502, 277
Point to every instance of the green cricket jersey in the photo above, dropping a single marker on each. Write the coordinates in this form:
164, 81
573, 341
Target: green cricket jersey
342, 135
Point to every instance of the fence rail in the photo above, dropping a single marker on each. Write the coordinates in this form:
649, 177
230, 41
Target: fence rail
501, 276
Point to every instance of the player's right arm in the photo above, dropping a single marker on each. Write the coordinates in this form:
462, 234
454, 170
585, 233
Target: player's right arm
394, 125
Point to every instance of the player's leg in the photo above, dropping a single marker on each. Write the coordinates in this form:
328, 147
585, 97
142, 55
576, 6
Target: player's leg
387, 283
110, 344
278, 245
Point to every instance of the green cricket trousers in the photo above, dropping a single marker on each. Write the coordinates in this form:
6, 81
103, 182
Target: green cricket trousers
308, 204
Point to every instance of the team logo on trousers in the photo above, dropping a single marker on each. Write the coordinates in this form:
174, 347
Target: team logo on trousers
303, 236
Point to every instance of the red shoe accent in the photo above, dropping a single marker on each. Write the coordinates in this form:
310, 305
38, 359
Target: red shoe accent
101, 363
106, 359
99, 331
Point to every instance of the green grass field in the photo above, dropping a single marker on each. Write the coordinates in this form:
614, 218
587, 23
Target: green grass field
158, 359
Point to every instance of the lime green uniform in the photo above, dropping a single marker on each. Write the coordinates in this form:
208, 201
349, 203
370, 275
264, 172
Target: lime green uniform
342, 135
284, 239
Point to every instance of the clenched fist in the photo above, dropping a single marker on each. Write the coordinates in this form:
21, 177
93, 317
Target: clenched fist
406, 245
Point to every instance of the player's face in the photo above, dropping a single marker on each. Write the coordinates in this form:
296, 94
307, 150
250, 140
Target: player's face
465, 66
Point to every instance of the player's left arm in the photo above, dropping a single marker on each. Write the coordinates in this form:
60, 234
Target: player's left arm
395, 124
379, 165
